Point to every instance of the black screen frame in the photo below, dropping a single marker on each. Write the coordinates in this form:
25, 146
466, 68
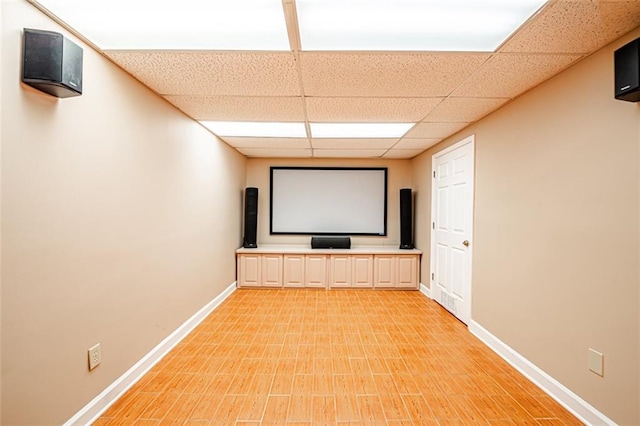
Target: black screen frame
386, 197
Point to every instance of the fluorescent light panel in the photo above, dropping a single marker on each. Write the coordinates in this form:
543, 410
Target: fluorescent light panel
411, 25
184, 24
359, 130
256, 129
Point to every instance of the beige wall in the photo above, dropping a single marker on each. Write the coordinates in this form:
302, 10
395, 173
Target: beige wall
1, 68
399, 175
117, 226
555, 268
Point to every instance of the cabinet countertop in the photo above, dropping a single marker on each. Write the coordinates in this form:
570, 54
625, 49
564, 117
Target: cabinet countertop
301, 249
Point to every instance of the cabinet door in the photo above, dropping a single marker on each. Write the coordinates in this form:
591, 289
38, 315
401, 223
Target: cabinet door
271, 270
293, 270
316, 271
362, 266
407, 272
249, 270
384, 271
340, 271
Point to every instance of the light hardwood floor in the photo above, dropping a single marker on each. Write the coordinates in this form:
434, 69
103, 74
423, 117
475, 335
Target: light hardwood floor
316, 357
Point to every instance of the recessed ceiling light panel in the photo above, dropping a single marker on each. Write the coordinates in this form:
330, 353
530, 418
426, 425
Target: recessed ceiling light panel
359, 130
411, 25
176, 25
256, 129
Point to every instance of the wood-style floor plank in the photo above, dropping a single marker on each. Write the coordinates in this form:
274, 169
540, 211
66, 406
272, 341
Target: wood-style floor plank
343, 357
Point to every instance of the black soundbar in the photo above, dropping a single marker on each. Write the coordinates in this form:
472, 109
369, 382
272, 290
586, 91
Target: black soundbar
330, 242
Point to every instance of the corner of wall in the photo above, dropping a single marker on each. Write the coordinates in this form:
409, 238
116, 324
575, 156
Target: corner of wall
1, 127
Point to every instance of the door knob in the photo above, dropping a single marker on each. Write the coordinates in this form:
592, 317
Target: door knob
465, 243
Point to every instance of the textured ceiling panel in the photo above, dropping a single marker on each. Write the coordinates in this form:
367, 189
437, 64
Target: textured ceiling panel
416, 143
277, 143
403, 153
443, 91
386, 74
508, 75
362, 110
576, 27
212, 73
348, 153
434, 130
276, 153
353, 143
464, 109
240, 108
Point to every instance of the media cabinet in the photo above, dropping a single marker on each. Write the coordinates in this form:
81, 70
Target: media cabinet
275, 266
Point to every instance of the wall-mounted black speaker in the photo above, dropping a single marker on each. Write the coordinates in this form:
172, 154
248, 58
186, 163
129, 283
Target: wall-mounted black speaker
330, 242
627, 72
250, 218
51, 63
406, 219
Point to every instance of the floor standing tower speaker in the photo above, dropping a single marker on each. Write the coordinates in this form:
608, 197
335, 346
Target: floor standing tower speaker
406, 219
250, 218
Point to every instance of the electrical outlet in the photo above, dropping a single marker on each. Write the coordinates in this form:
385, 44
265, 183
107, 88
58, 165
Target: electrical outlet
95, 356
596, 362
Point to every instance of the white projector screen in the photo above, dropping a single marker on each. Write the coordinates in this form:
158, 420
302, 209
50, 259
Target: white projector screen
328, 201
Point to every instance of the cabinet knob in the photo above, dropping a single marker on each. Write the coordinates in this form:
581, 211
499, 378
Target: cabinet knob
465, 243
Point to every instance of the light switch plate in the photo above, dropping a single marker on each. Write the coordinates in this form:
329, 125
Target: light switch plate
596, 362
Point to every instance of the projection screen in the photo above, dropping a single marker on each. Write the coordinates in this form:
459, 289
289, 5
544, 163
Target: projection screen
328, 201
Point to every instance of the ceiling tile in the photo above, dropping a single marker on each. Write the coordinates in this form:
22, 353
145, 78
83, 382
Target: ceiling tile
212, 73
276, 143
464, 109
362, 110
275, 153
240, 108
403, 153
570, 26
353, 143
348, 153
435, 130
508, 75
376, 74
416, 143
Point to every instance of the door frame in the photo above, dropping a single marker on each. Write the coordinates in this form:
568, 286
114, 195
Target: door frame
468, 140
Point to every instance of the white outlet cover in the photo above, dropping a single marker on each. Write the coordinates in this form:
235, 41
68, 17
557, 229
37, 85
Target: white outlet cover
95, 356
596, 362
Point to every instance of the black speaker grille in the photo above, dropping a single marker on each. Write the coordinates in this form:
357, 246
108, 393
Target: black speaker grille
251, 218
406, 219
51, 63
42, 55
627, 72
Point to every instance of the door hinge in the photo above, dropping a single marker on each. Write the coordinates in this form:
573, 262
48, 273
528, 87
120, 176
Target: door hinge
433, 276
433, 225
434, 173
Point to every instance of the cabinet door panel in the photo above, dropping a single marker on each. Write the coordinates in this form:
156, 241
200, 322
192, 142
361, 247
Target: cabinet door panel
362, 270
340, 271
385, 274
407, 272
293, 272
316, 271
271, 270
249, 270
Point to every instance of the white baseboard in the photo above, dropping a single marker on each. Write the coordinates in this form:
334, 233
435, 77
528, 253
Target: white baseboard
572, 402
425, 290
100, 403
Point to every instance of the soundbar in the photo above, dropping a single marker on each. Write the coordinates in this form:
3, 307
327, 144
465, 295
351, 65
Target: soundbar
330, 242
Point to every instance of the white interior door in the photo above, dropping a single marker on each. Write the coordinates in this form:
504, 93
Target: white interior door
451, 225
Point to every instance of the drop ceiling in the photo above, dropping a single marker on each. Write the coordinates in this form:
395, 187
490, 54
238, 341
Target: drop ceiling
441, 92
